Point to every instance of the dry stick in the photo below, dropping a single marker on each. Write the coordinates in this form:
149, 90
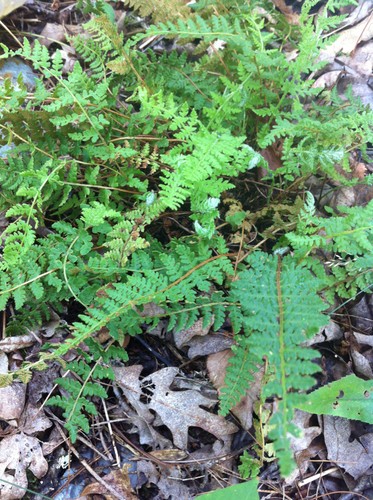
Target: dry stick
99, 479
78, 438
316, 476
108, 453
111, 434
91, 446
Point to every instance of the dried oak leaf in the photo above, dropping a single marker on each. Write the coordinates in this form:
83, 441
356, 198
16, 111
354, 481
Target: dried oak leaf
128, 379
181, 410
17, 454
178, 410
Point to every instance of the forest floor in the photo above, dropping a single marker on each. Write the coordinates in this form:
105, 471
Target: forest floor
334, 456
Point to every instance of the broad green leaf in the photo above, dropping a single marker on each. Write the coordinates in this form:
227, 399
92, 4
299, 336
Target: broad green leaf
350, 397
243, 491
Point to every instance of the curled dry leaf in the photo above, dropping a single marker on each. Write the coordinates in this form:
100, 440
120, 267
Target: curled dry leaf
17, 454
183, 337
203, 346
363, 339
7, 6
361, 365
11, 344
12, 398
117, 481
52, 33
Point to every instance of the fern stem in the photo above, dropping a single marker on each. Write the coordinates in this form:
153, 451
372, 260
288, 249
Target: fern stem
281, 333
9, 290
65, 273
31, 144
100, 187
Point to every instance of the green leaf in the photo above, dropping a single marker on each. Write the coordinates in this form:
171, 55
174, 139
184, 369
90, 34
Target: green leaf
243, 491
350, 397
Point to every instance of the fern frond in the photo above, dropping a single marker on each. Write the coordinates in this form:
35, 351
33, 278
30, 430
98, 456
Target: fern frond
280, 310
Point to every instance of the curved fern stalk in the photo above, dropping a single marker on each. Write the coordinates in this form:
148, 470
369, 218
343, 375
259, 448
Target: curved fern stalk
116, 305
280, 309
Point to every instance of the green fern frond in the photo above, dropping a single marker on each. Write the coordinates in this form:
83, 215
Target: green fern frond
280, 310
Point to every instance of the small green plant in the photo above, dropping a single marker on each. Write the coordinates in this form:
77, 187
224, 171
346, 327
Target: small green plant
99, 157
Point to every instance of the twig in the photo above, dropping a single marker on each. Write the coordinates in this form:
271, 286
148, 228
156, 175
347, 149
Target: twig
99, 479
315, 477
117, 457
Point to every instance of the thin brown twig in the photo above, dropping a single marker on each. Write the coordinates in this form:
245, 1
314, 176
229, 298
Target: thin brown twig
89, 469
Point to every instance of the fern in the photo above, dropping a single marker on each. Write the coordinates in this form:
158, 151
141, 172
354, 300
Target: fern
97, 159
76, 406
280, 309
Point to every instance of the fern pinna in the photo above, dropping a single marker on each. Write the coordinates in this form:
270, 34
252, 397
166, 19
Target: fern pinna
280, 309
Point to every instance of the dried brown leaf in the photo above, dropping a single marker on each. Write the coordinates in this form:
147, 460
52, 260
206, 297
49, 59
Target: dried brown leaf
349, 39
7, 6
128, 379
10, 344
183, 337
17, 454
34, 420
118, 480
178, 410
181, 410
291, 16
348, 454
301, 446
